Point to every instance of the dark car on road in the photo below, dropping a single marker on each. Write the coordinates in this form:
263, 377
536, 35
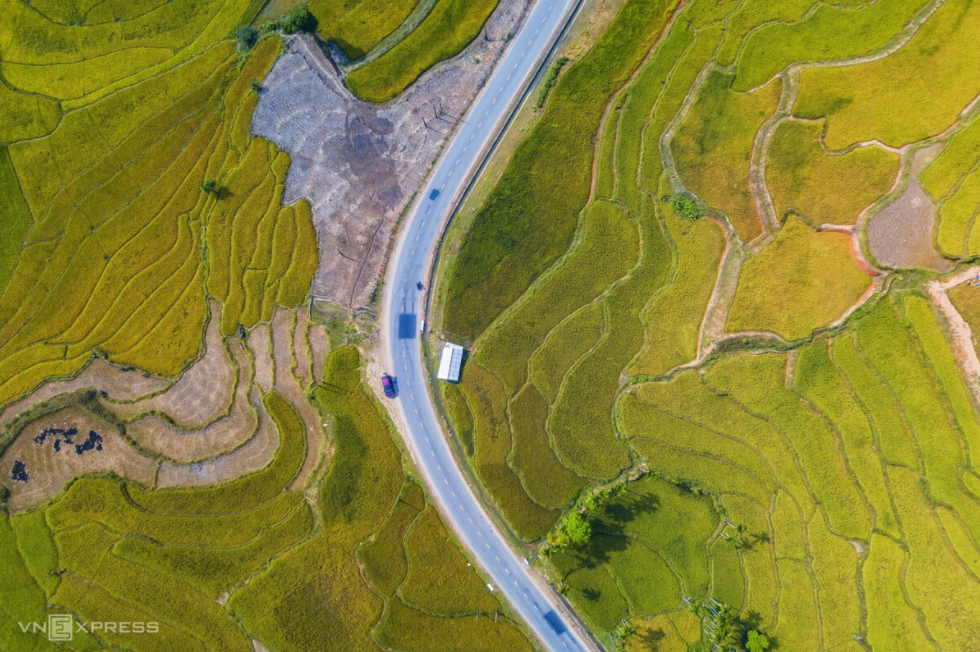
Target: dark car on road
433, 195
388, 383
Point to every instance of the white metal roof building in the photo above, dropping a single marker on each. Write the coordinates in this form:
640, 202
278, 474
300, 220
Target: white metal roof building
451, 362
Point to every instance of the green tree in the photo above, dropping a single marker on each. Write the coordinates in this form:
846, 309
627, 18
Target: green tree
299, 20
756, 641
573, 531
579, 530
623, 634
210, 187
246, 37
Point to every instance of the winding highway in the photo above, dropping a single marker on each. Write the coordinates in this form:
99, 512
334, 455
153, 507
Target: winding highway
489, 114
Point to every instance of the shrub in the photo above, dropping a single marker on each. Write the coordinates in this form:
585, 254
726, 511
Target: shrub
687, 208
550, 80
574, 531
756, 641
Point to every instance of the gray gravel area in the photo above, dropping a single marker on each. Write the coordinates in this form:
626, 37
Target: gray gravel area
900, 235
358, 163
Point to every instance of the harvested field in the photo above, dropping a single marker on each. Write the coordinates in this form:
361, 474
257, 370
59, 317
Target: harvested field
301, 347
119, 383
207, 439
47, 449
257, 446
292, 388
260, 349
900, 234
319, 347
201, 395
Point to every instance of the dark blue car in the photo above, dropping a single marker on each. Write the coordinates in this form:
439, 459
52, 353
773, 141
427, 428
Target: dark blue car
433, 194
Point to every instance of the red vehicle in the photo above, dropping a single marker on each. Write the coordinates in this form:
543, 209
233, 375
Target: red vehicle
389, 385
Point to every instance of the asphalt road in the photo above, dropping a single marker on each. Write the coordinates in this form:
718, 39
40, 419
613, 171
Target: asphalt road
411, 260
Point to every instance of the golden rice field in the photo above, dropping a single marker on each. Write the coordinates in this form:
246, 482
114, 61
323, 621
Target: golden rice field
697, 320
181, 442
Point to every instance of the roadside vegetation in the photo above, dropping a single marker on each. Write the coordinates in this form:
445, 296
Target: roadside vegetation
728, 405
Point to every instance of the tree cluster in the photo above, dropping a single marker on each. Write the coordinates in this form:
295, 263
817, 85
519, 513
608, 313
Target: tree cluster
726, 631
299, 20
575, 528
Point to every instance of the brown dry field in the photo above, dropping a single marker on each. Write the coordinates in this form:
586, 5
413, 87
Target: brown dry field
204, 440
301, 348
251, 456
207, 426
319, 347
98, 375
259, 345
289, 386
202, 394
50, 471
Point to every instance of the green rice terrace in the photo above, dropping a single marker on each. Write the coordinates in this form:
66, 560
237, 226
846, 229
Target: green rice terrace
719, 305
719, 287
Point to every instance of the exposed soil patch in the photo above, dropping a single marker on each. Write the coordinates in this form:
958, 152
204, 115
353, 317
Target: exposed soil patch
59, 446
203, 440
250, 456
900, 235
359, 164
203, 393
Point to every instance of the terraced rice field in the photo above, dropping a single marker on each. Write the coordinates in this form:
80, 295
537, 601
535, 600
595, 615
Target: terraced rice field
794, 425
263, 547
181, 442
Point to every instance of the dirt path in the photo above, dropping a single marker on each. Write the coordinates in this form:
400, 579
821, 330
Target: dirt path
960, 334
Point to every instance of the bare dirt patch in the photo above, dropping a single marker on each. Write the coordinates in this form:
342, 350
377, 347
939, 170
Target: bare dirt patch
155, 434
59, 446
288, 385
251, 456
900, 234
202, 394
359, 164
